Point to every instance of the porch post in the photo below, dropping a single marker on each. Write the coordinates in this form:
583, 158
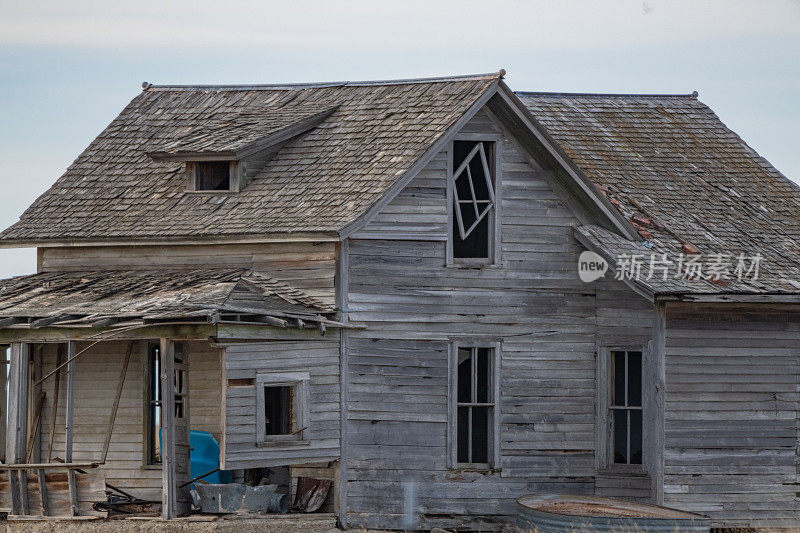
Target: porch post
17, 424
167, 377
69, 416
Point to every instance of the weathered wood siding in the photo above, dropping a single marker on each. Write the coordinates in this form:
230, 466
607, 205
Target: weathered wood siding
731, 420
411, 303
242, 362
96, 379
305, 265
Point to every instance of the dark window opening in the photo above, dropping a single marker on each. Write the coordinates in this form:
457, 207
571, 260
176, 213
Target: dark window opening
473, 198
212, 176
626, 407
475, 406
153, 407
279, 410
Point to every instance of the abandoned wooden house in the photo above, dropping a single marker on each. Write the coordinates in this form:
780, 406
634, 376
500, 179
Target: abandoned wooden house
378, 283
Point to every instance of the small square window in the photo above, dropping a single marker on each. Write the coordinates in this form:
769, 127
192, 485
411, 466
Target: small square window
212, 176
282, 413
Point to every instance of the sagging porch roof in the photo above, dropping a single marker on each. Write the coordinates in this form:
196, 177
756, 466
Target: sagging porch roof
104, 298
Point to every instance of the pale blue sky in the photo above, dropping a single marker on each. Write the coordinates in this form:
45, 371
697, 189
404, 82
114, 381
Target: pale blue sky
68, 68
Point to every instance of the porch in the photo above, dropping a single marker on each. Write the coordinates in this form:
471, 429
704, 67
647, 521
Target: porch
104, 401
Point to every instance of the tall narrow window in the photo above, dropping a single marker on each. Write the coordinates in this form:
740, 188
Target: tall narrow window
475, 406
626, 406
473, 186
152, 406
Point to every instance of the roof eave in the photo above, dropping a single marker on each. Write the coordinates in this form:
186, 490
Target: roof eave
59, 242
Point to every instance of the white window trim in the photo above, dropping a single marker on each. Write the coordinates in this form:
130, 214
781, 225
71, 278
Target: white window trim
605, 454
494, 216
452, 409
299, 380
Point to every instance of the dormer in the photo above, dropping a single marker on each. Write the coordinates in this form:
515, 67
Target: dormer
215, 176
220, 158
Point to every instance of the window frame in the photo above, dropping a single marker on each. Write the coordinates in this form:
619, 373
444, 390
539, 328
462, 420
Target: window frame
299, 380
494, 454
235, 176
152, 377
494, 216
605, 438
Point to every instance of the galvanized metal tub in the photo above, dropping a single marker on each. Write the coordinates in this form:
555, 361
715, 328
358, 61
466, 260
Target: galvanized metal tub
560, 513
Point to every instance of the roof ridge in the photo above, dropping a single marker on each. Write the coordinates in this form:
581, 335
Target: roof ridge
693, 95
288, 86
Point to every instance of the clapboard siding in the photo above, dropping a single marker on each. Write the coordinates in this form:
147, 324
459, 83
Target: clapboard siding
412, 304
96, 378
731, 415
318, 357
309, 266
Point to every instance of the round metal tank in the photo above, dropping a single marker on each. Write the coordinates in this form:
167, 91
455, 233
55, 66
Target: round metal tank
559, 513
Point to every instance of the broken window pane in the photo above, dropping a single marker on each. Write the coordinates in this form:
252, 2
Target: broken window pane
278, 410
635, 379
483, 375
464, 375
153, 412
620, 431
463, 435
473, 198
618, 375
212, 176
636, 437
480, 434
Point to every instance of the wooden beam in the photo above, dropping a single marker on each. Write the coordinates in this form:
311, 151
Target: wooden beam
10, 321
56, 387
17, 422
168, 494
37, 418
70, 410
659, 398
146, 332
4, 354
46, 321
73, 493
44, 504
115, 405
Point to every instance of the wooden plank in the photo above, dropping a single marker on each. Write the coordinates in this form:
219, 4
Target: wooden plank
168, 466
37, 419
17, 422
56, 387
70, 408
43, 492
658, 365
73, 493
115, 405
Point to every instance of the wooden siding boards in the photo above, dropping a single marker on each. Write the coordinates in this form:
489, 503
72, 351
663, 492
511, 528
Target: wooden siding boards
319, 357
96, 378
412, 305
731, 415
308, 266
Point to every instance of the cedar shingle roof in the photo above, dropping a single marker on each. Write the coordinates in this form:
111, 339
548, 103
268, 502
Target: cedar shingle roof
203, 294
672, 167
319, 182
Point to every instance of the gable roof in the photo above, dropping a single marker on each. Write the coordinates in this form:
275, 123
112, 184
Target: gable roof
681, 176
318, 182
104, 297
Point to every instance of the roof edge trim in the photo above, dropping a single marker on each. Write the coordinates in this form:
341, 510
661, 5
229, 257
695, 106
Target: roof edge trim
693, 95
279, 86
177, 240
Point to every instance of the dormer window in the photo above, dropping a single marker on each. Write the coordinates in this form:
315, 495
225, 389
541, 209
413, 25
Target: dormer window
213, 176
